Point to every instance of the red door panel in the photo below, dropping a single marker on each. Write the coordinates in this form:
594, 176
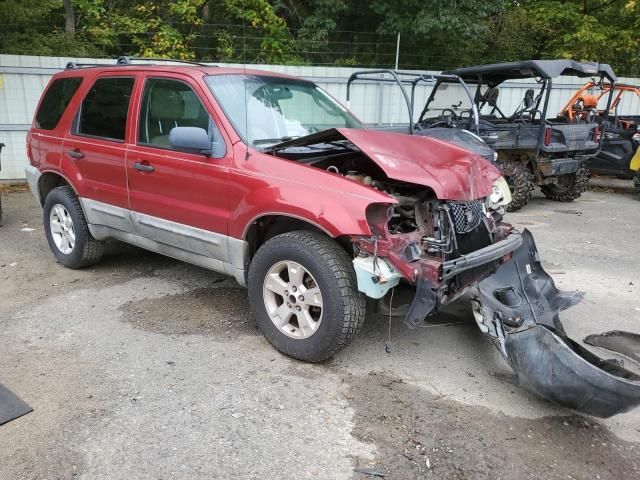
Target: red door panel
182, 188
98, 168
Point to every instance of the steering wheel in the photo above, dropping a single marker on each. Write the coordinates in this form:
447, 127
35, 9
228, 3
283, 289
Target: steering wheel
451, 119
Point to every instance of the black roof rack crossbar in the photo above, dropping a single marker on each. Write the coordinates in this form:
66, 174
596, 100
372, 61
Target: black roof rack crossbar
126, 61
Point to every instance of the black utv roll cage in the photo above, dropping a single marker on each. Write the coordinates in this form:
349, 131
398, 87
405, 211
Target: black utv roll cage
401, 79
544, 71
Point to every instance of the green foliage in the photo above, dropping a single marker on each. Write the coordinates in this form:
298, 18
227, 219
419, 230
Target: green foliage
435, 34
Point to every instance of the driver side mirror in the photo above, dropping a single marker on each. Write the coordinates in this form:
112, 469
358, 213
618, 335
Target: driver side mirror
195, 140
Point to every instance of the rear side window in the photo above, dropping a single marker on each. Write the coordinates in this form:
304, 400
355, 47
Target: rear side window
103, 112
55, 102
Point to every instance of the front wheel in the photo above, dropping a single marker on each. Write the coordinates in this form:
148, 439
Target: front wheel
304, 296
569, 187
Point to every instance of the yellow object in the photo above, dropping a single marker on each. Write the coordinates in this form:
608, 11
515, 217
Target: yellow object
635, 161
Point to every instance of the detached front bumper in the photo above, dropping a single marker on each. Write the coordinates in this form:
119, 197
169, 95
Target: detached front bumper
485, 255
518, 307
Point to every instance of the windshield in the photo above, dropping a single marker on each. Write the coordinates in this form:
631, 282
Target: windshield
448, 99
267, 110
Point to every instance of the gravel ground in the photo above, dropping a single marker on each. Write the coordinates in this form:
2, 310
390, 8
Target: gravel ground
144, 367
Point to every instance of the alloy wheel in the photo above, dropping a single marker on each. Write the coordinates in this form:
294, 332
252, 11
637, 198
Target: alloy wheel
293, 299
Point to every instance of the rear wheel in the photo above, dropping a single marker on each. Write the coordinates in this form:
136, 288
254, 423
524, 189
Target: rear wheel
304, 296
520, 181
66, 230
569, 186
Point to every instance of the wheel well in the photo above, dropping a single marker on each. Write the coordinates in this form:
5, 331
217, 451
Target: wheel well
49, 181
268, 226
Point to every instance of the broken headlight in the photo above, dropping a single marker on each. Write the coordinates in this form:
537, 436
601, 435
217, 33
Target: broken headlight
500, 194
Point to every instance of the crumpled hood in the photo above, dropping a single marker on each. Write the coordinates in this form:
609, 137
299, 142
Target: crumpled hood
451, 171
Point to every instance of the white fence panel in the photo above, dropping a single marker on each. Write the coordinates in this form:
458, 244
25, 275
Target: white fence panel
23, 78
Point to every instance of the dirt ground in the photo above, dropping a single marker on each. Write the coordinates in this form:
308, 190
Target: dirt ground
144, 367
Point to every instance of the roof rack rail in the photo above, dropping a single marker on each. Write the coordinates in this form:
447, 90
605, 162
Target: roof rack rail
124, 61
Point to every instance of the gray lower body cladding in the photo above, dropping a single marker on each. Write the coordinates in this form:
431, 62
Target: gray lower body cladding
518, 306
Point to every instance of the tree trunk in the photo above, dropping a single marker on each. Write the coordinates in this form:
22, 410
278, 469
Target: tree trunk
69, 17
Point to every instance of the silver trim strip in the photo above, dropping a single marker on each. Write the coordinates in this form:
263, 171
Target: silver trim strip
102, 232
210, 250
202, 242
100, 213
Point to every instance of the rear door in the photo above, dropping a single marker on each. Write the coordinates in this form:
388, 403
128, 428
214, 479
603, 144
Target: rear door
94, 150
176, 197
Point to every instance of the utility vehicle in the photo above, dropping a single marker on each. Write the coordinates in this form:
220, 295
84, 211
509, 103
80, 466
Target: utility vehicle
269, 179
466, 138
622, 129
533, 149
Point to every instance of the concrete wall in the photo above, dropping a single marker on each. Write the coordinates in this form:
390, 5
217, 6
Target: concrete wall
23, 78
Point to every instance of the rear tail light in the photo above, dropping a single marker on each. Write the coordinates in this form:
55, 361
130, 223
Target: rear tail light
547, 136
596, 134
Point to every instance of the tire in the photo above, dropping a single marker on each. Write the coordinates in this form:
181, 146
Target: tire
520, 181
569, 186
84, 250
636, 186
325, 265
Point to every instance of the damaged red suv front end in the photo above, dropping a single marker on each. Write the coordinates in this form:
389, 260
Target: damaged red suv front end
440, 235
441, 230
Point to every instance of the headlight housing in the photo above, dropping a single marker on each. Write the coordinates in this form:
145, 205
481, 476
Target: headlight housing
500, 194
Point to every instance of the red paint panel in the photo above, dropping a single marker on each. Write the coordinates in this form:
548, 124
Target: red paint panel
184, 188
452, 172
264, 184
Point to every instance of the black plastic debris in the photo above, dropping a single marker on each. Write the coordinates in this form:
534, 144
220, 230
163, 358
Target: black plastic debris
518, 306
11, 407
624, 343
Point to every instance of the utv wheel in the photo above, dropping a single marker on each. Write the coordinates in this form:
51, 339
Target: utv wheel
636, 186
520, 181
304, 296
569, 186
67, 232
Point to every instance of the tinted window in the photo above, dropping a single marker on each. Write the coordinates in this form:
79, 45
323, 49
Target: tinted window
55, 102
104, 110
167, 104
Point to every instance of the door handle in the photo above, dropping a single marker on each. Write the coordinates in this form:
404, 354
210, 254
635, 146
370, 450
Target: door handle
75, 153
143, 167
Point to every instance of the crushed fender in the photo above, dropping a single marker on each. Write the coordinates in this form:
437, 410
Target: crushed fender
518, 307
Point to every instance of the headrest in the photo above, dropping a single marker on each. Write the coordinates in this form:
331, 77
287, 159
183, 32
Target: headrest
166, 104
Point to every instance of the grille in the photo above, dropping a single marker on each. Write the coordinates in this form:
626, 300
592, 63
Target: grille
466, 216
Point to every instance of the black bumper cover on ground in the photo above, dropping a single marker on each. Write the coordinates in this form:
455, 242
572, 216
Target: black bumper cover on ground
518, 306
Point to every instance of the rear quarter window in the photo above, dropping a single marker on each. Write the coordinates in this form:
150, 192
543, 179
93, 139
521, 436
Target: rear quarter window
55, 102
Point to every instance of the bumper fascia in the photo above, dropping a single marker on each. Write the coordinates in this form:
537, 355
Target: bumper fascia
518, 306
485, 255
33, 179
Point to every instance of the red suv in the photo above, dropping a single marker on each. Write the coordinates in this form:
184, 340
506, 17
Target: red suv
267, 178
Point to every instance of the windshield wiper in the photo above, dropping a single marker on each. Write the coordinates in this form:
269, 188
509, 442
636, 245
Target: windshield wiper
262, 141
